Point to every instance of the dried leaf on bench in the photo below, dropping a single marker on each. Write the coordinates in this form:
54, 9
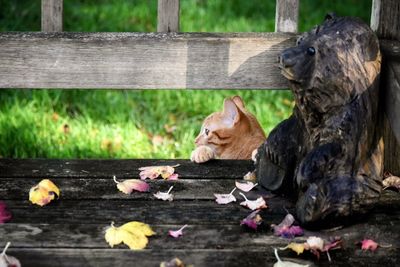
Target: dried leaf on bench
369, 244
177, 233
44, 192
8, 261
286, 228
246, 186
225, 198
128, 186
296, 247
165, 195
152, 172
391, 181
176, 262
5, 215
133, 234
281, 263
259, 203
253, 220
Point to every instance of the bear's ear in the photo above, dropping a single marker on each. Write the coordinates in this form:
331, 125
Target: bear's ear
330, 16
369, 45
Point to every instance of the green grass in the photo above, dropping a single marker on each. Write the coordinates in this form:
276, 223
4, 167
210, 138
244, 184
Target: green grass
137, 124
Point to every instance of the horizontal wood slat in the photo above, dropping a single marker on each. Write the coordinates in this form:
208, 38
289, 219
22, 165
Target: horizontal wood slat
142, 60
123, 168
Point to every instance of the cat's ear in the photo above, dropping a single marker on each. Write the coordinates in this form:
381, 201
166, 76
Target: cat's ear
238, 101
231, 111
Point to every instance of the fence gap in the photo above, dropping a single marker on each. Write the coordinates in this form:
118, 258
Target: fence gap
286, 16
52, 15
168, 16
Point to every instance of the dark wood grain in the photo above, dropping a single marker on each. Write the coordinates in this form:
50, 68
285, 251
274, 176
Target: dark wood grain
198, 257
40, 168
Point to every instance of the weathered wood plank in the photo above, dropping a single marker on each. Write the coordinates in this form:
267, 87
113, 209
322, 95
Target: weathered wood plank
123, 168
286, 16
385, 21
168, 16
197, 257
381, 227
142, 60
153, 212
157, 211
385, 18
187, 189
52, 15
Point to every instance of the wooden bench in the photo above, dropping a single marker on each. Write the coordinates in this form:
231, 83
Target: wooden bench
70, 231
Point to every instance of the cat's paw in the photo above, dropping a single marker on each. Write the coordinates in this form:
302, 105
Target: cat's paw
202, 154
254, 155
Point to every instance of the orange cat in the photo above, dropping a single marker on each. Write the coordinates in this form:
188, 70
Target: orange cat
233, 133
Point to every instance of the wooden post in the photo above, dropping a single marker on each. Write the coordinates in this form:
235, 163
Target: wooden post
385, 21
286, 16
52, 15
168, 16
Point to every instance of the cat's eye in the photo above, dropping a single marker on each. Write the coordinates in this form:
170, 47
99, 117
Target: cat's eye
206, 131
311, 51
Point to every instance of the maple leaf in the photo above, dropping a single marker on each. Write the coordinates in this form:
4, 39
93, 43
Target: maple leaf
177, 233
152, 172
246, 186
44, 192
133, 234
5, 215
369, 244
165, 195
253, 220
8, 261
128, 186
259, 203
286, 228
225, 198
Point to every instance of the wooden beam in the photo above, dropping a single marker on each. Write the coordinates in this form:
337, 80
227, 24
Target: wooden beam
286, 16
52, 15
385, 18
385, 21
168, 16
142, 60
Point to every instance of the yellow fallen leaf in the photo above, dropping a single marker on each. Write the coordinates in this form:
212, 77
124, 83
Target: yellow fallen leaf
44, 192
296, 247
133, 234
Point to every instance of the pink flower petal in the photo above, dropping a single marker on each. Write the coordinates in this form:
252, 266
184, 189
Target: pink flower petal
224, 198
177, 233
246, 186
5, 215
128, 186
286, 229
173, 177
165, 195
259, 203
152, 172
368, 244
253, 220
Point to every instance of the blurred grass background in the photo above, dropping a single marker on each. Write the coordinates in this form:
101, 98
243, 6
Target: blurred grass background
138, 124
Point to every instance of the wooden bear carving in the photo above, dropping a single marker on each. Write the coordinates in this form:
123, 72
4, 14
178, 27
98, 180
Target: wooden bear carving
328, 153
